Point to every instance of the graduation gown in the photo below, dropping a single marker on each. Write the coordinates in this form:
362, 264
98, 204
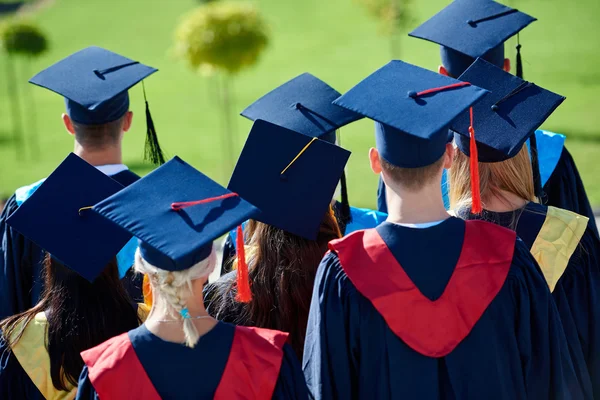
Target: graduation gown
564, 189
568, 252
25, 368
228, 362
474, 319
21, 278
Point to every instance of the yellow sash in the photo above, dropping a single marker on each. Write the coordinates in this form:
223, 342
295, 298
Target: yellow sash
556, 242
31, 353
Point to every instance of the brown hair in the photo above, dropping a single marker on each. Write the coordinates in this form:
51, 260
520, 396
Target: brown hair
412, 178
282, 273
514, 175
99, 136
80, 315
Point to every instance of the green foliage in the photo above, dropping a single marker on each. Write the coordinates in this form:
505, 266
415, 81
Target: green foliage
22, 38
392, 14
226, 36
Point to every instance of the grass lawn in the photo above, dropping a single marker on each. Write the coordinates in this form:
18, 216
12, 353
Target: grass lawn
333, 39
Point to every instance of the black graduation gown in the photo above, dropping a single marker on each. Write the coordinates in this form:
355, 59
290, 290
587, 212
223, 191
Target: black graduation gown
565, 190
515, 350
577, 292
21, 260
177, 372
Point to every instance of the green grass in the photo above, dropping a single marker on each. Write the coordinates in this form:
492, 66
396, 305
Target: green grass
333, 39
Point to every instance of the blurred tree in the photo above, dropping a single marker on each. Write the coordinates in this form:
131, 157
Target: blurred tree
25, 40
222, 37
394, 16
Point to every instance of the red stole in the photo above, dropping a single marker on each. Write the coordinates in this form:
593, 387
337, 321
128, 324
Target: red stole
251, 371
432, 328
253, 366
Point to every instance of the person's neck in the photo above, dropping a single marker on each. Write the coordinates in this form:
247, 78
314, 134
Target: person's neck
415, 207
504, 201
172, 330
105, 156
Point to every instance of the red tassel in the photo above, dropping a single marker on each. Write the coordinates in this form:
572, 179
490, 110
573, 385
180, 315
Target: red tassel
244, 294
475, 190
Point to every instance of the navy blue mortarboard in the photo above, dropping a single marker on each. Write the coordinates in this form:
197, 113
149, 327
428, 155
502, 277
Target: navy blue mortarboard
467, 29
412, 109
177, 212
94, 83
507, 117
175, 236
57, 217
290, 177
302, 104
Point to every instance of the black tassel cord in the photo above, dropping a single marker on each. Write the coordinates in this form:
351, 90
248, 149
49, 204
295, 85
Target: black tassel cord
519, 59
152, 150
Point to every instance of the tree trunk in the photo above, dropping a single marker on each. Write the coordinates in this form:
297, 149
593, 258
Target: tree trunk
395, 33
229, 130
32, 129
13, 90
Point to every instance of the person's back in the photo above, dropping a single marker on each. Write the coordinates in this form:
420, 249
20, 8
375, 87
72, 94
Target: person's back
390, 317
562, 242
181, 352
83, 304
282, 271
97, 116
287, 241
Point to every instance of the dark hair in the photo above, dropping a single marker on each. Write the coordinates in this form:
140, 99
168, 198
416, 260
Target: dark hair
282, 273
80, 315
412, 178
99, 136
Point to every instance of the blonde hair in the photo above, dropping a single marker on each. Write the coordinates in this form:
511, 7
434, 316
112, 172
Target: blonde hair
514, 175
175, 288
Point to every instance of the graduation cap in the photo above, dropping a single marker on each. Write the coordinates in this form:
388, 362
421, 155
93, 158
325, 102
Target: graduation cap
412, 109
467, 29
507, 117
57, 217
94, 83
177, 212
304, 104
290, 177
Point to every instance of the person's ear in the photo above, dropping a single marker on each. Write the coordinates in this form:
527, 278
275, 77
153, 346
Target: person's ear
507, 64
449, 155
443, 71
127, 119
374, 160
68, 124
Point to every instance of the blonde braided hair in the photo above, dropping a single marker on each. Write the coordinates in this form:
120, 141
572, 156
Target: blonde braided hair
175, 288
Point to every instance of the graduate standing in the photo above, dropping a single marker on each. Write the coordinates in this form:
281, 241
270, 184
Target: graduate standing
468, 29
181, 352
287, 240
392, 319
562, 242
84, 303
94, 83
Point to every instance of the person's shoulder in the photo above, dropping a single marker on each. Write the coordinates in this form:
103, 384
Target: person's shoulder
108, 352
